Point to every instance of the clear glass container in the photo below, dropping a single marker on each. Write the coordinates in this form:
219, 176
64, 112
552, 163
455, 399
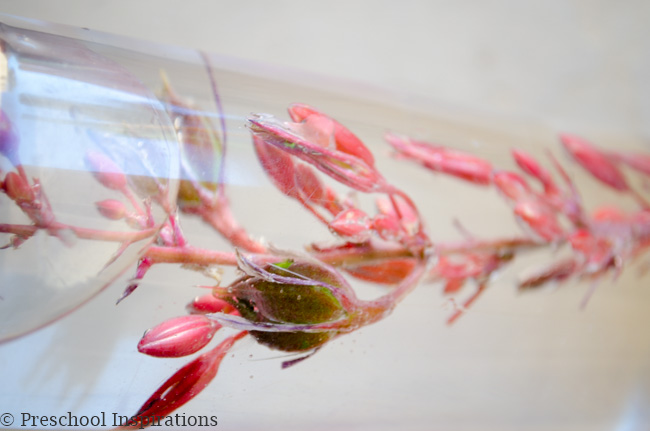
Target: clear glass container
71, 114
515, 360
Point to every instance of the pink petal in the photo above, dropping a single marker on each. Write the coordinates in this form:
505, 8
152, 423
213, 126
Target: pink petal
388, 227
453, 285
311, 188
345, 140
402, 210
388, 272
345, 168
278, 165
596, 251
541, 220
462, 266
353, 224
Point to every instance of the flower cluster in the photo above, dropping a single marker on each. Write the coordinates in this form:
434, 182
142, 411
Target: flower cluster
300, 302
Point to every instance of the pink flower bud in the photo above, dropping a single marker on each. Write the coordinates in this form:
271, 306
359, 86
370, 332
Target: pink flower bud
299, 141
111, 209
540, 219
594, 161
353, 224
177, 337
17, 189
402, 210
440, 159
387, 227
530, 166
105, 170
511, 185
207, 304
597, 252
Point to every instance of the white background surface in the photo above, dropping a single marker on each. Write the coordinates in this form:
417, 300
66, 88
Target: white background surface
579, 65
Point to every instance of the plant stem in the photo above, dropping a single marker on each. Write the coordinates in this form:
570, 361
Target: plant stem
218, 216
342, 257
80, 232
485, 245
190, 255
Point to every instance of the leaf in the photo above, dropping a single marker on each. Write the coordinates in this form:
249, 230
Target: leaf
285, 264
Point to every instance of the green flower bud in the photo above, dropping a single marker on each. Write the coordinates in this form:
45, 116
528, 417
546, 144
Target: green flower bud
301, 293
